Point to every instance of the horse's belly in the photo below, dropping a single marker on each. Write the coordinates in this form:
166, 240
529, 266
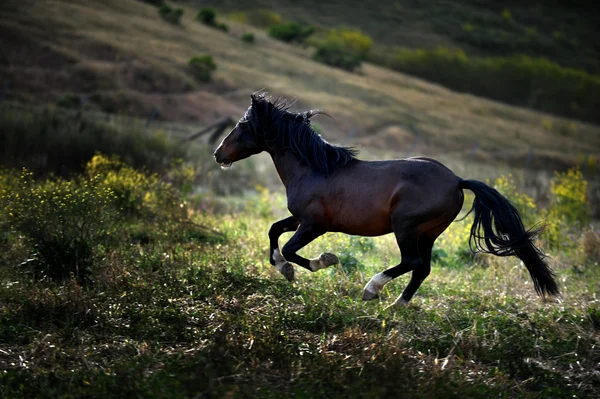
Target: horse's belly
362, 223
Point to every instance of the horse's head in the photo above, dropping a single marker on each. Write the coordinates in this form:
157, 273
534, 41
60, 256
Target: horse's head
247, 137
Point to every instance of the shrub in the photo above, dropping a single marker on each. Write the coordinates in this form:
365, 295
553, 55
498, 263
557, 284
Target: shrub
65, 222
290, 32
58, 141
569, 197
521, 80
136, 193
207, 16
248, 37
169, 14
343, 48
569, 208
202, 67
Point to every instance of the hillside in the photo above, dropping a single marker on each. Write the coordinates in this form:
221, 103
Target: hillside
565, 32
120, 57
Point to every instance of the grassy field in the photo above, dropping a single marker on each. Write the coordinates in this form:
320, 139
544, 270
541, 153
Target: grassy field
123, 58
191, 307
148, 276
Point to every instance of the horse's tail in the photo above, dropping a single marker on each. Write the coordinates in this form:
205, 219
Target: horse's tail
498, 230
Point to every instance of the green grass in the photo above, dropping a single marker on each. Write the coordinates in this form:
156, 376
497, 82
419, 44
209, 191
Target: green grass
182, 315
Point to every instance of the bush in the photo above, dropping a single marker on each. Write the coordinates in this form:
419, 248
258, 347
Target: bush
207, 16
169, 14
136, 193
520, 80
248, 37
569, 197
569, 210
202, 67
57, 141
290, 32
343, 48
65, 222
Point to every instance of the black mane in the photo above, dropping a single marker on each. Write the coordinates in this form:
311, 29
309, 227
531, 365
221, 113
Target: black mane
286, 130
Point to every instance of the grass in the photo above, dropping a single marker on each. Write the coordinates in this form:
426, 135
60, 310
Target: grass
178, 318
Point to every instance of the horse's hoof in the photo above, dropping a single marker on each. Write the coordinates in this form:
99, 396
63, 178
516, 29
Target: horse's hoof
329, 259
287, 269
324, 260
368, 295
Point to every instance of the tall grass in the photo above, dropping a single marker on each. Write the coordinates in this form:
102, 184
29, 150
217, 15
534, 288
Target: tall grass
521, 80
50, 140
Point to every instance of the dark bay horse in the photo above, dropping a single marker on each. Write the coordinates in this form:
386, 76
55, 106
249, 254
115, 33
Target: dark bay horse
329, 189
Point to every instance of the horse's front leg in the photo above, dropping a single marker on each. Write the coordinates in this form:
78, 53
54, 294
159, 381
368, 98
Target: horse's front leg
303, 236
275, 257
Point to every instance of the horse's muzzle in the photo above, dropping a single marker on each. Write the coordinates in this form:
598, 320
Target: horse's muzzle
223, 161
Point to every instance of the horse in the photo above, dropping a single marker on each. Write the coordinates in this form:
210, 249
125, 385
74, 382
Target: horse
330, 190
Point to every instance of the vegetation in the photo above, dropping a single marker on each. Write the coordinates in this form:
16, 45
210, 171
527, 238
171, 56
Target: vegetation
208, 16
68, 100
161, 293
248, 37
202, 67
169, 14
520, 80
48, 140
290, 31
262, 18
343, 48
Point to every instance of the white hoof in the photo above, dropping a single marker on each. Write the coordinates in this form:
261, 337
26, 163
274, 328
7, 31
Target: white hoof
284, 267
374, 286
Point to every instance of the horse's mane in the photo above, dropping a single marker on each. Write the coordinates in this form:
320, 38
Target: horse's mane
293, 131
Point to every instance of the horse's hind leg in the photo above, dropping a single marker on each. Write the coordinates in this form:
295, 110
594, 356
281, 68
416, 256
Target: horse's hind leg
410, 261
420, 272
275, 257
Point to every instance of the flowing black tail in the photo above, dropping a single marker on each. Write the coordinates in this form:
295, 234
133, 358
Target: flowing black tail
498, 230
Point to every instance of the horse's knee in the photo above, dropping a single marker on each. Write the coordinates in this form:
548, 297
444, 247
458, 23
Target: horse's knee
274, 231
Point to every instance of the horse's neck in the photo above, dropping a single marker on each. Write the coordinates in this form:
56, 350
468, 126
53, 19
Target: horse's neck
288, 166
